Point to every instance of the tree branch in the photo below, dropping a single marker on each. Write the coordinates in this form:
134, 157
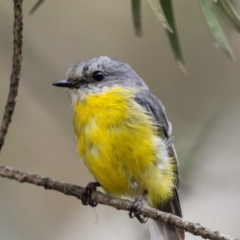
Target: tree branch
16, 67
77, 191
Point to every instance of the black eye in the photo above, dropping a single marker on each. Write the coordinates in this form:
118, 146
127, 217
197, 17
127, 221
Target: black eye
98, 76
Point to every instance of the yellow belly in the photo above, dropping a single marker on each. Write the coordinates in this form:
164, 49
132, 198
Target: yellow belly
116, 141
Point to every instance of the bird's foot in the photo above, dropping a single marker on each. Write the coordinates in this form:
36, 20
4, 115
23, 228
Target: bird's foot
135, 210
88, 190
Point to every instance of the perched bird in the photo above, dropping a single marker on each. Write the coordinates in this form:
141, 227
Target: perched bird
123, 136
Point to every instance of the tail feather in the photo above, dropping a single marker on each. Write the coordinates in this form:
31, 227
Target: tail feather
162, 231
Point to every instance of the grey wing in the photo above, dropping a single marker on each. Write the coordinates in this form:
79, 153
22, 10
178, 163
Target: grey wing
155, 108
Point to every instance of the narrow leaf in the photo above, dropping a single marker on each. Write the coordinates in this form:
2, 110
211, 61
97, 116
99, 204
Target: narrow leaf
228, 13
173, 36
157, 8
136, 14
214, 26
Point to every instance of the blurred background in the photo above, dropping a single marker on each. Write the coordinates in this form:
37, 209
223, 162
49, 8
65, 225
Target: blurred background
204, 110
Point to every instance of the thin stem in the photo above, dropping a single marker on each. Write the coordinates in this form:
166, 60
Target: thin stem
98, 197
16, 67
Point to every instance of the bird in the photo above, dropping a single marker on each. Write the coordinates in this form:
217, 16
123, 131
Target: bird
124, 138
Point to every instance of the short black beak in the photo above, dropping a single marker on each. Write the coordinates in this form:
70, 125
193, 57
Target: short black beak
64, 83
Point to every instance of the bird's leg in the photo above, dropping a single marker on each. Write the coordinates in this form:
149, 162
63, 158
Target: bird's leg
88, 190
135, 210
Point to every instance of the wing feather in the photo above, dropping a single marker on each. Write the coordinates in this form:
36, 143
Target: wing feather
155, 108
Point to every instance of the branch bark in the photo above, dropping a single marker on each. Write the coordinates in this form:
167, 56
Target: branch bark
16, 67
120, 204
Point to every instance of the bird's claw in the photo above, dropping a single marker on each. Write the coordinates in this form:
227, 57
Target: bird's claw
86, 195
135, 210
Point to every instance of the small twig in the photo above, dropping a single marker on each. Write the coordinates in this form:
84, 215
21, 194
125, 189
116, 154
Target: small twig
16, 67
36, 6
76, 191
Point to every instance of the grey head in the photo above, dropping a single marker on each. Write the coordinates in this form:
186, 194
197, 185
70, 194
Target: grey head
97, 74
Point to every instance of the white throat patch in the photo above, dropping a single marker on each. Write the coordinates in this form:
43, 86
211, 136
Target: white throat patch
79, 95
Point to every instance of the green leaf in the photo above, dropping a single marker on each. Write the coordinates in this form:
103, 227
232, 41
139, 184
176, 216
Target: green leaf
228, 13
214, 26
136, 14
173, 36
157, 8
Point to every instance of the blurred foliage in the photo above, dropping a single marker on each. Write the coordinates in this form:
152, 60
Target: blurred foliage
163, 8
136, 13
164, 11
208, 7
214, 25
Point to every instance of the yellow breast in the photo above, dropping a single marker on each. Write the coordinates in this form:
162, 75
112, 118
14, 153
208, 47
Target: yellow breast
116, 140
